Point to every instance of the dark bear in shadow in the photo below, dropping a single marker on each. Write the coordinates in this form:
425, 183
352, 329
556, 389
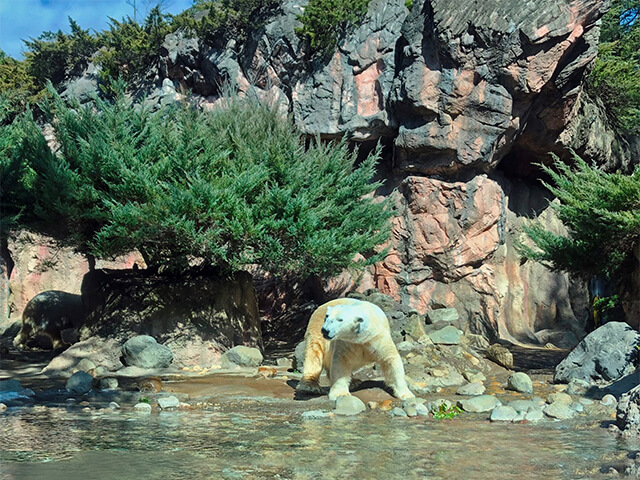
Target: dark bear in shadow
49, 313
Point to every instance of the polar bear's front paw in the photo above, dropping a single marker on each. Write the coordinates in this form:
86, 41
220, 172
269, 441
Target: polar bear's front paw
309, 386
404, 394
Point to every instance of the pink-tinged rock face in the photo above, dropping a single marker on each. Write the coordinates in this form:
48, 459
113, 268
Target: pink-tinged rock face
369, 99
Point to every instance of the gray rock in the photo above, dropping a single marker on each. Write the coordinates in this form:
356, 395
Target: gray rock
79, 383
284, 362
168, 403
449, 315
316, 414
298, 356
474, 376
435, 405
143, 351
108, 383
410, 409
422, 410
500, 355
142, 407
577, 386
559, 410
560, 397
471, 389
398, 412
84, 365
520, 382
534, 415
577, 406
349, 405
628, 413
113, 406
609, 400
503, 413
479, 404
605, 355
447, 336
242, 356
524, 405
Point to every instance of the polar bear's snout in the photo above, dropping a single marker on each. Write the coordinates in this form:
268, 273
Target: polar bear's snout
326, 334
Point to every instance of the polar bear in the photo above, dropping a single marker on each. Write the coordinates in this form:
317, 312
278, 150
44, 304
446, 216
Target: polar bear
344, 335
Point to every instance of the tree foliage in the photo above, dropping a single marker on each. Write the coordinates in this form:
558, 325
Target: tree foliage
227, 188
602, 214
324, 20
615, 78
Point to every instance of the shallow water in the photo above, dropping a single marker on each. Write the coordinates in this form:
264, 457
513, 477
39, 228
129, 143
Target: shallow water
253, 442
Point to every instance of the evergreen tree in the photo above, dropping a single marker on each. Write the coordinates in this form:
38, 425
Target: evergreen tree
602, 214
227, 188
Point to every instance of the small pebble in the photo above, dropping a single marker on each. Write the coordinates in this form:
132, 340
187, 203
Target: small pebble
3, 407
114, 406
609, 400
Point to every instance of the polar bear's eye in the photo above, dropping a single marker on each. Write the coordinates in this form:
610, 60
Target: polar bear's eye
359, 320
339, 319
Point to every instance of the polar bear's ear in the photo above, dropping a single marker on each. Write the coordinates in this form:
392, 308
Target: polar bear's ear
328, 311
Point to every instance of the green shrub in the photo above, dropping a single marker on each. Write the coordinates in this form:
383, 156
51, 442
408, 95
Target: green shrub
602, 214
218, 21
615, 79
54, 56
324, 20
17, 88
228, 188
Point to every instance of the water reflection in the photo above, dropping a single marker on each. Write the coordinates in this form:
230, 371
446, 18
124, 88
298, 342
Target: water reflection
60, 444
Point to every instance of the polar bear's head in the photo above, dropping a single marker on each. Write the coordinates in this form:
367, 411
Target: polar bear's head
346, 322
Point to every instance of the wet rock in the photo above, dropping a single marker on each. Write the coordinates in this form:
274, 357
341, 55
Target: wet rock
605, 355
449, 315
12, 389
108, 383
398, 412
349, 405
520, 382
447, 336
524, 405
150, 385
168, 403
628, 413
471, 389
503, 413
500, 355
479, 404
142, 407
559, 410
242, 356
79, 383
534, 415
145, 352
317, 414
113, 406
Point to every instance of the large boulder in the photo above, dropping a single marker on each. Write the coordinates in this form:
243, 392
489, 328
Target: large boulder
143, 351
605, 355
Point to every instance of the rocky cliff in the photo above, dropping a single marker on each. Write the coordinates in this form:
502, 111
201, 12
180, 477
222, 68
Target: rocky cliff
465, 96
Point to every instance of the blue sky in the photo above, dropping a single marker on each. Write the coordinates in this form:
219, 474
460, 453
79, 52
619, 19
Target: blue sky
22, 19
